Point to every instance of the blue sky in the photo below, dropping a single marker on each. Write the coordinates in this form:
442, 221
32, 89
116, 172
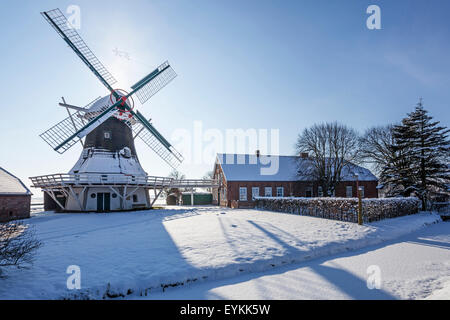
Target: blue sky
241, 64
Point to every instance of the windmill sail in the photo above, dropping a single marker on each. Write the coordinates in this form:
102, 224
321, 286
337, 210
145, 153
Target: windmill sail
153, 82
72, 129
154, 140
59, 22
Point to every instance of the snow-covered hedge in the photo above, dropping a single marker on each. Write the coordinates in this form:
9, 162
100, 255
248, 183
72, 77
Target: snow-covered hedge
344, 209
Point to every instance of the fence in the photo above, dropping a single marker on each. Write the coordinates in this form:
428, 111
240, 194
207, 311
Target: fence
343, 209
441, 207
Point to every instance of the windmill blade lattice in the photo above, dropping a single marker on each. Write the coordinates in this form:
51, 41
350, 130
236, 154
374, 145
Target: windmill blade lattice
59, 22
68, 127
154, 140
145, 88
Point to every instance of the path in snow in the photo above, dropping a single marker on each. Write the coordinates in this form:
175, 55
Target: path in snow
142, 250
415, 266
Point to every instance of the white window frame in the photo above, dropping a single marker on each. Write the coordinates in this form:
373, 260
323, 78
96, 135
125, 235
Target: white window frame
266, 189
280, 194
362, 191
347, 189
243, 194
255, 194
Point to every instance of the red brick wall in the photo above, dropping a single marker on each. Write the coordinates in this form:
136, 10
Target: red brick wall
370, 189
294, 188
233, 190
14, 207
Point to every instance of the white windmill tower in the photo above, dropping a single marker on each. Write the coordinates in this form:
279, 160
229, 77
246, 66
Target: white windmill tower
108, 175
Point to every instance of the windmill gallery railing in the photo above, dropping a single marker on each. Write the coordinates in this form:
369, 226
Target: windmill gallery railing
61, 180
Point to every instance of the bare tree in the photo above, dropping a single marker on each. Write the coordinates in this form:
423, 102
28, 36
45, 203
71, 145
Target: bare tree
209, 176
330, 146
375, 147
17, 245
176, 175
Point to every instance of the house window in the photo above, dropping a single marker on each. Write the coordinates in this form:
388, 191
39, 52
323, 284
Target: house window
107, 135
243, 194
280, 192
348, 191
362, 191
135, 198
319, 191
268, 191
255, 192
308, 192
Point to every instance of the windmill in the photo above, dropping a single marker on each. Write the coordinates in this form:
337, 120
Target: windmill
108, 175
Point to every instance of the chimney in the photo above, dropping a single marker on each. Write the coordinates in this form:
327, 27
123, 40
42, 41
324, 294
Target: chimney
304, 155
257, 153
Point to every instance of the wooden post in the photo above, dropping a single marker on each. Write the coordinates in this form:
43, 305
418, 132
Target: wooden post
360, 219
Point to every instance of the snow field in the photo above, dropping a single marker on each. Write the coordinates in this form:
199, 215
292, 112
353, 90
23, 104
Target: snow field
145, 251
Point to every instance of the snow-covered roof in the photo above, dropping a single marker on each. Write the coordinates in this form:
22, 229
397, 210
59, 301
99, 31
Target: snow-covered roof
11, 185
106, 162
245, 167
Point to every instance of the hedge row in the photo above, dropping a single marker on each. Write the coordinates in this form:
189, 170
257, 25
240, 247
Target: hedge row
343, 209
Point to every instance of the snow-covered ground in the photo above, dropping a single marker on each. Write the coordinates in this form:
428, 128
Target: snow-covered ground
415, 266
145, 252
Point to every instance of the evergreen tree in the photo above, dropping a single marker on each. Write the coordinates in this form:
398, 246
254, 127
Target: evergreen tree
398, 173
421, 162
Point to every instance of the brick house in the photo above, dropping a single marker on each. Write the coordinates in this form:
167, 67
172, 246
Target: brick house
15, 197
243, 176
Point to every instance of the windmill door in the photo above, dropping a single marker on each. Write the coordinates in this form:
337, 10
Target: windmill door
107, 201
103, 201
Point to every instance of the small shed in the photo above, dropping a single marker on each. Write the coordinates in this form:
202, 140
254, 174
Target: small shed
15, 197
200, 198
